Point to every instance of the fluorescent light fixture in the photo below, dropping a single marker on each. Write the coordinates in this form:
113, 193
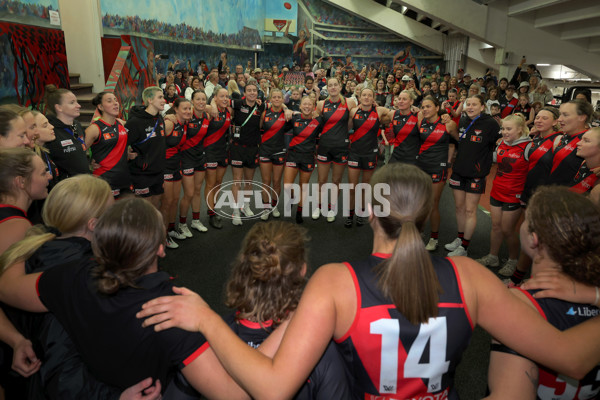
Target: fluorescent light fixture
404, 9
543, 65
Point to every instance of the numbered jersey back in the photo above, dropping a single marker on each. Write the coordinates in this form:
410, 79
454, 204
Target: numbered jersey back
391, 358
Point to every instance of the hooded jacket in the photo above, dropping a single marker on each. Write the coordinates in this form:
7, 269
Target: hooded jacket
146, 136
68, 150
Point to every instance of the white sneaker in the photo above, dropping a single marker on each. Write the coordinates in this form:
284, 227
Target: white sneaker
316, 213
247, 211
171, 244
508, 268
265, 215
177, 234
459, 251
489, 261
196, 224
330, 216
276, 212
432, 245
183, 228
453, 245
237, 219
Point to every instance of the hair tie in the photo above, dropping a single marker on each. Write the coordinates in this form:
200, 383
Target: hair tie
53, 230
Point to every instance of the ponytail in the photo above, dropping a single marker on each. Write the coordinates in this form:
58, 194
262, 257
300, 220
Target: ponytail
407, 277
21, 251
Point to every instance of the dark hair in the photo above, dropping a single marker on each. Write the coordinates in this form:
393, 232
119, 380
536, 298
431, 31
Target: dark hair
435, 101
552, 110
308, 79
407, 277
195, 92
97, 100
14, 162
478, 97
125, 243
267, 278
586, 92
250, 84
53, 97
6, 118
568, 227
583, 108
176, 104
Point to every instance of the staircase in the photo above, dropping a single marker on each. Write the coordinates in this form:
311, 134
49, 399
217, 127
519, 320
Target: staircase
84, 94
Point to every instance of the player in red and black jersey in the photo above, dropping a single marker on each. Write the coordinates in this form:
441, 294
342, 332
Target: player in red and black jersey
106, 137
406, 330
215, 147
146, 136
511, 157
334, 142
478, 135
434, 156
405, 126
523, 107
272, 151
560, 233
306, 128
453, 106
365, 121
175, 138
193, 164
586, 180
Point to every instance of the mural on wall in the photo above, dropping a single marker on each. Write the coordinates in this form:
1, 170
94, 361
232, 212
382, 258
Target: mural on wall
222, 23
132, 71
280, 14
326, 14
31, 12
31, 58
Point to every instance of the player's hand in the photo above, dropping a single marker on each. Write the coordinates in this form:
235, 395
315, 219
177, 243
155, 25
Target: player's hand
143, 390
288, 114
187, 311
25, 361
558, 285
596, 171
446, 119
171, 117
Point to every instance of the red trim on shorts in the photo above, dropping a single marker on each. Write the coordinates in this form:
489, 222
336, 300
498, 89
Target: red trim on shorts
337, 163
358, 304
323, 162
462, 295
196, 354
535, 303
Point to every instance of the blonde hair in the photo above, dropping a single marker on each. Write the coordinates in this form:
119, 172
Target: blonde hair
407, 277
232, 87
68, 208
149, 93
519, 120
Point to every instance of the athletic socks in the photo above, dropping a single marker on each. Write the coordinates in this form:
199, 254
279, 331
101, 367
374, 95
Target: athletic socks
464, 242
434, 235
195, 215
182, 220
299, 210
273, 203
517, 277
211, 212
171, 227
461, 235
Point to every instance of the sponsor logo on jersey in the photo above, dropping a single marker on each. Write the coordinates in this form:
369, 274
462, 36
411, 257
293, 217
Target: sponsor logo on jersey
477, 131
108, 136
476, 139
474, 185
583, 311
67, 142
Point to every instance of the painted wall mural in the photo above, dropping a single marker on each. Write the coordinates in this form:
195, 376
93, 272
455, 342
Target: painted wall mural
31, 58
222, 23
31, 12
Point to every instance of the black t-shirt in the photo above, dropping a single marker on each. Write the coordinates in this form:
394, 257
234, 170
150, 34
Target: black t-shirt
111, 340
249, 134
68, 150
476, 146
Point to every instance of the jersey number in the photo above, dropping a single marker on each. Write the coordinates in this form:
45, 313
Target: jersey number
432, 333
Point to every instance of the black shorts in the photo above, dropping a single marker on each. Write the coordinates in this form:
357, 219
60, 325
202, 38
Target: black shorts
275, 159
339, 155
469, 185
116, 192
505, 206
243, 156
439, 176
304, 161
214, 160
191, 165
147, 185
172, 176
364, 163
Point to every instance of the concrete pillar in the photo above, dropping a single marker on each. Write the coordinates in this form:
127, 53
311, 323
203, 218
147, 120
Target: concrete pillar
82, 24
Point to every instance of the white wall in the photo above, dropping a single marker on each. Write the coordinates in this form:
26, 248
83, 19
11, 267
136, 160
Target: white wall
81, 23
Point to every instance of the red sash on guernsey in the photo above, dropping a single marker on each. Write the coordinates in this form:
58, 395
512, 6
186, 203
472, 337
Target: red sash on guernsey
366, 126
335, 118
276, 127
306, 132
570, 147
542, 149
218, 134
586, 184
194, 141
509, 107
171, 151
434, 137
406, 129
115, 154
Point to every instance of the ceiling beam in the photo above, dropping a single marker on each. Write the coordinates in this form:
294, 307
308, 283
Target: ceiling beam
594, 45
559, 15
530, 5
578, 30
